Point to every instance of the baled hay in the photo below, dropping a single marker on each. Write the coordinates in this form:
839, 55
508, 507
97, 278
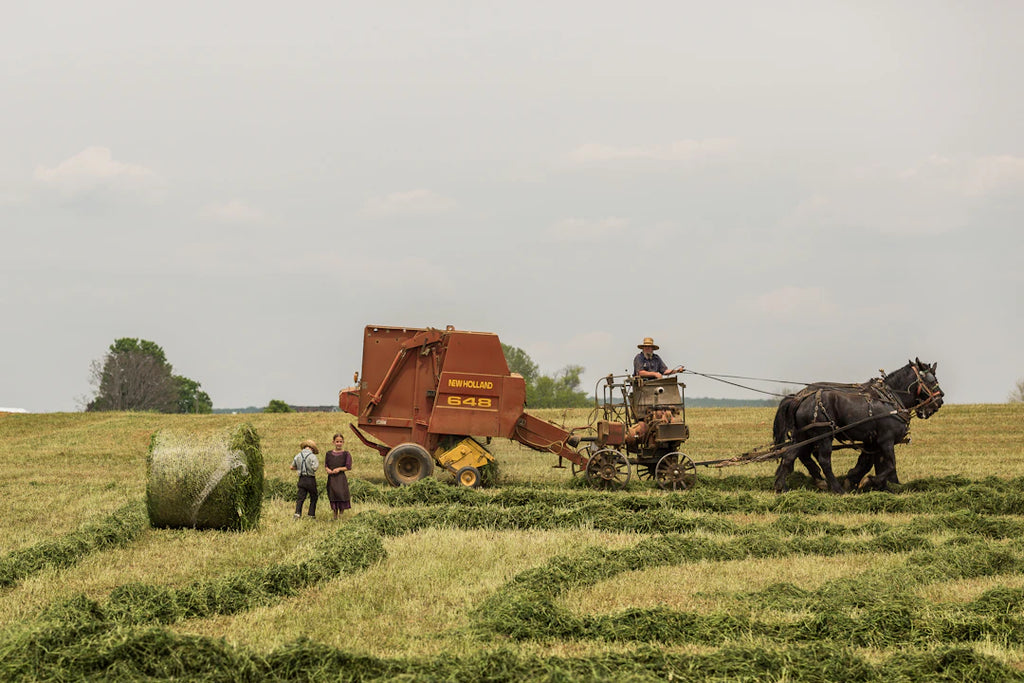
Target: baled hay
205, 481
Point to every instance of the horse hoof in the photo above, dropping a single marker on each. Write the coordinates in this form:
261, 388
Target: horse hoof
821, 484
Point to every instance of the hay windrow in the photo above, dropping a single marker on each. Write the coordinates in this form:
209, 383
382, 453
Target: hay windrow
988, 496
118, 654
117, 529
205, 480
850, 609
923, 583
351, 548
122, 635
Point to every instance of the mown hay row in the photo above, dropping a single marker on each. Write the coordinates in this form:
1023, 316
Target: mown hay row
158, 654
352, 548
117, 529
871, 609
121, 637
988, 496
784, 536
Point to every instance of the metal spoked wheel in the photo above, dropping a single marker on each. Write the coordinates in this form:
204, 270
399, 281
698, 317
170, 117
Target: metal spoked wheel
675, 472
608, 468
645, 472
577, 470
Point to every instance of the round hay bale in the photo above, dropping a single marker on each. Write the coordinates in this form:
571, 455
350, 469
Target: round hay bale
205, 481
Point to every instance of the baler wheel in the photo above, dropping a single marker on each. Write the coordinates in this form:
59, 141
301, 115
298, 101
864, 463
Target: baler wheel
407, 463
469, 477
675, 472
608, 468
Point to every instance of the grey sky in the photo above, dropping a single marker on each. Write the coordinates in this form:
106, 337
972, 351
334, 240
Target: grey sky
803, 191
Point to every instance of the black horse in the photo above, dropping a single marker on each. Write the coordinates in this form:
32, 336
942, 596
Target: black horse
874, 415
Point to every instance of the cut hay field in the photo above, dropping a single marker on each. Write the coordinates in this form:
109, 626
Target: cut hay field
539, 578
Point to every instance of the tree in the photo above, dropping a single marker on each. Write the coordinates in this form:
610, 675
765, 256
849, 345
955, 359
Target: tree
276, 405
520, 363
190, 398
560, 391
135, 375
1017, 395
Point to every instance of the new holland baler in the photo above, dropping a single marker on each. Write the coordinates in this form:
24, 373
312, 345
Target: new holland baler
428, 396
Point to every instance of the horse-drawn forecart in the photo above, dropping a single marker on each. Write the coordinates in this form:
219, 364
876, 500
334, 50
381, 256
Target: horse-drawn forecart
429, 397
872, 416
641, 428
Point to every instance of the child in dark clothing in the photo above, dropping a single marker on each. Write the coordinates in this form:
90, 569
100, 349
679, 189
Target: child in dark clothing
336, 464
305, 463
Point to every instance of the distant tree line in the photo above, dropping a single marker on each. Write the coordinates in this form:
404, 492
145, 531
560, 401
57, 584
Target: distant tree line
135, 375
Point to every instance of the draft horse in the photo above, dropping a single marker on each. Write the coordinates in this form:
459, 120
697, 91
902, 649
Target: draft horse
873, 416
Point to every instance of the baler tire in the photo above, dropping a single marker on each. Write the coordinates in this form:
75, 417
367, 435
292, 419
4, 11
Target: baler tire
387, 477
407, 463
469, 477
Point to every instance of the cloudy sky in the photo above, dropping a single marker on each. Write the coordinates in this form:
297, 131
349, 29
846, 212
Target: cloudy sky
789, 190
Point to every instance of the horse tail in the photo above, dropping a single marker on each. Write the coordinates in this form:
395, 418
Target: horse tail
785, 419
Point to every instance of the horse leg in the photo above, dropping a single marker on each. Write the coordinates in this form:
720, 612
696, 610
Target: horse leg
891, 476
885, 466
824, 454
784, 469
813, 469
865, 461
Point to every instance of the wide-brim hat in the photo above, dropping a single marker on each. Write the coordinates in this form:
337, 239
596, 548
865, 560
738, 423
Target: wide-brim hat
311, 445
648, 341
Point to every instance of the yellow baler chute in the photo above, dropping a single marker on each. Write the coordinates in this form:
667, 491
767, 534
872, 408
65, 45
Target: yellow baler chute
465, 461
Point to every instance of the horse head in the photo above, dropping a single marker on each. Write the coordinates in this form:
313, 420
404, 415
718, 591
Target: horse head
925, 389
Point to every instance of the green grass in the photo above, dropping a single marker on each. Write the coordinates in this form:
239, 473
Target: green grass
539, 578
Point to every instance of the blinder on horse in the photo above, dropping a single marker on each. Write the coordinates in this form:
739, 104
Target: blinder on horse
926, 385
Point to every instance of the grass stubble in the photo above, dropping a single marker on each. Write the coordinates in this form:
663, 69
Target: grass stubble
924, 583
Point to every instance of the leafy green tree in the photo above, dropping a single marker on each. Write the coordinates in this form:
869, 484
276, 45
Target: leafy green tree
560, 391
520, 363
191, 399
135, 375
278, 406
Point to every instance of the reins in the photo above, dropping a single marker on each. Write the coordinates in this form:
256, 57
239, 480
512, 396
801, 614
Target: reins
718, 378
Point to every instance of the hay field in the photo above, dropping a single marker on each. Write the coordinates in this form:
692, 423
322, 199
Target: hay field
539, 578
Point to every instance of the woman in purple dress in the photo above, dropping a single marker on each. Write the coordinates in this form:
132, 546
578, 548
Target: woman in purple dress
336, 463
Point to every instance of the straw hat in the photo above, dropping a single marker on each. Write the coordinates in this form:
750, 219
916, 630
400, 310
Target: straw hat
648, 341
309, 443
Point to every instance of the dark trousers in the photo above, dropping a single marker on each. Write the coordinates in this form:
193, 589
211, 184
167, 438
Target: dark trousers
307, 486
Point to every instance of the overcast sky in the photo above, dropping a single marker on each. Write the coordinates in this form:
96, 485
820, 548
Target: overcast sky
790, 190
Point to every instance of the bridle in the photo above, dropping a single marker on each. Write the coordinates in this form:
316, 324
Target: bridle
920, 388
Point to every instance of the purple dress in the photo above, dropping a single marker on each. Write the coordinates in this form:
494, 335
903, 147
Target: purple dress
337, 484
